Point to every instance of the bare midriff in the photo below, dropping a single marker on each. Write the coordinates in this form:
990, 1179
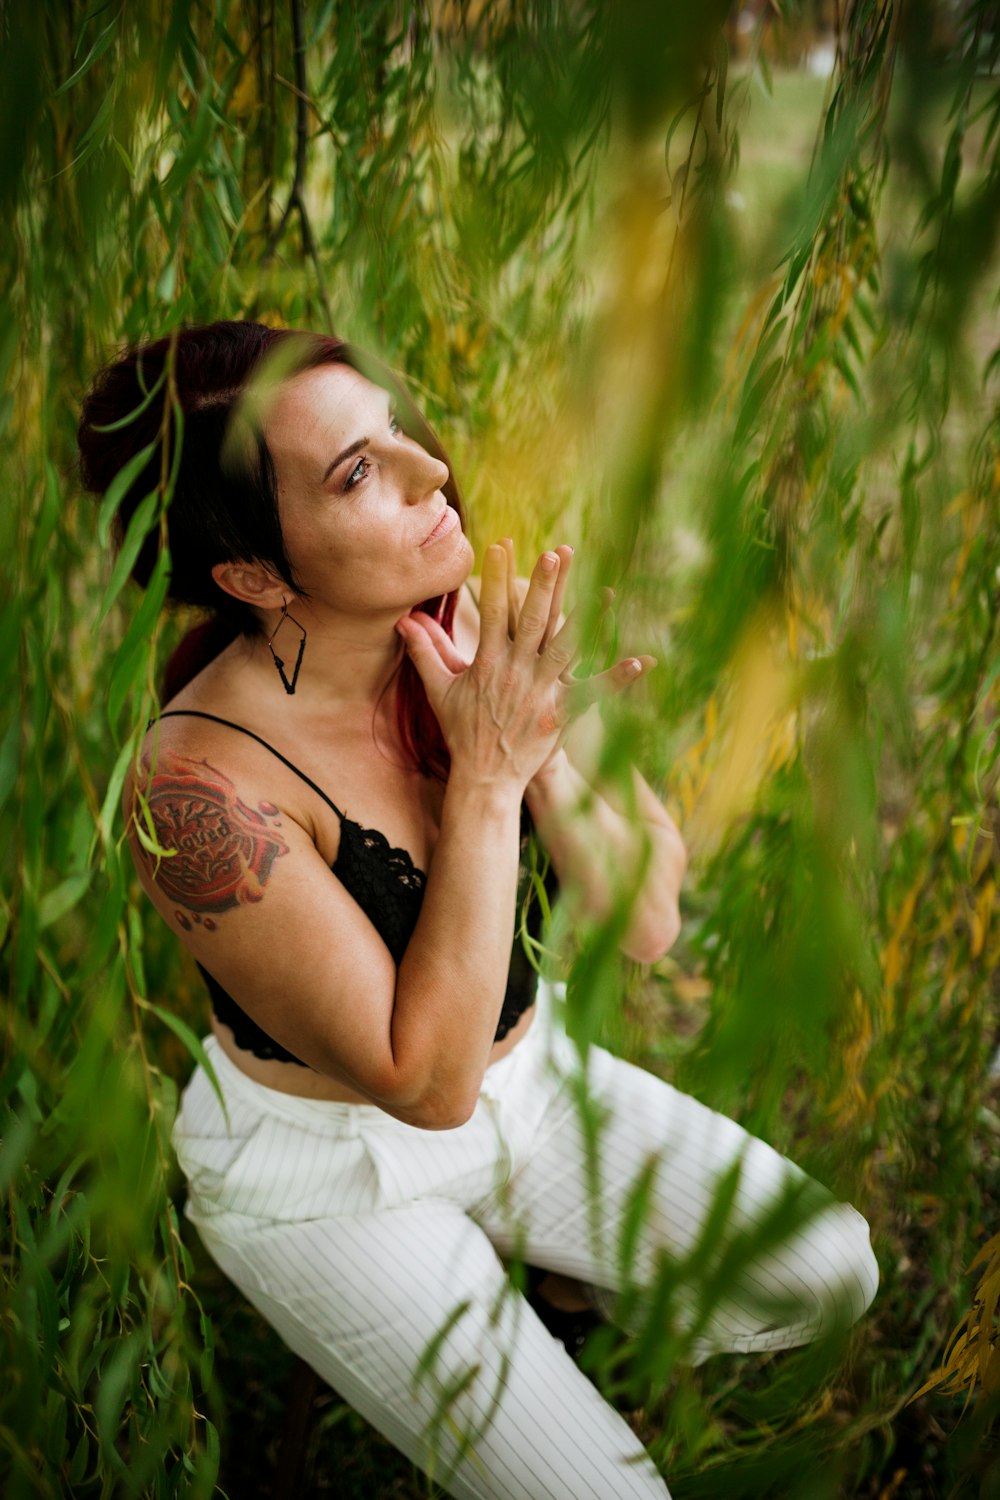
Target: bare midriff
305, 1083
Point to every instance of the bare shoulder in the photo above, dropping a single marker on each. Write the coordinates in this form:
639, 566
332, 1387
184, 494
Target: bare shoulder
204, 834
250, 896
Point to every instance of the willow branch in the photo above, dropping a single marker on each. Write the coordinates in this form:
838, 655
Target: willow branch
296, 198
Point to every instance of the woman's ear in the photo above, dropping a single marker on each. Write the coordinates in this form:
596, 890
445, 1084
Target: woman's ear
251, 583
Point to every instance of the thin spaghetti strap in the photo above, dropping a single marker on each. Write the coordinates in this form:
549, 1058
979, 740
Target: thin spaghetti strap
195, 713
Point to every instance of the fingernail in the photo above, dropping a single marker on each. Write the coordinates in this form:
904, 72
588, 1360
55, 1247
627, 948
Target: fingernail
633, 667
549, 560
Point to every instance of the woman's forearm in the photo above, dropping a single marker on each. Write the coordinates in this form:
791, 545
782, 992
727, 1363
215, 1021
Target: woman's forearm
453, 976
598, 853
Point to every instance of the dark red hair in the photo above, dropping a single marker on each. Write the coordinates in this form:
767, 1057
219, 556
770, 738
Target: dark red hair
175, 397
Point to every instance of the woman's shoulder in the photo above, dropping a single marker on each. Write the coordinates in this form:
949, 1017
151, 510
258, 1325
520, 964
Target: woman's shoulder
195, 739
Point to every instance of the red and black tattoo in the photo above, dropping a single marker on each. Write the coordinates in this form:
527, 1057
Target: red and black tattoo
225, 850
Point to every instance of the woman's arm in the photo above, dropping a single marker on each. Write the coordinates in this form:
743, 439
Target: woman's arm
240, 879
596, 843
598, 847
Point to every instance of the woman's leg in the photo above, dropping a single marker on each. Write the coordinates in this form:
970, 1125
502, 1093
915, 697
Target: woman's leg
814, 1271
411, 1318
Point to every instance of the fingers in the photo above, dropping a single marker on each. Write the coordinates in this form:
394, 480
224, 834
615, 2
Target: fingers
424, 654
442, 642
493, 603
605, 684
537, 606
563, 650
513, 606
565, 555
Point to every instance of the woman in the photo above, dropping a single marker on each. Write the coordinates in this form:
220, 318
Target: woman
337, 802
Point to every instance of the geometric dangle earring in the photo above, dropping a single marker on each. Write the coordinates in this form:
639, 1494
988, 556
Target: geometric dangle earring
278, 662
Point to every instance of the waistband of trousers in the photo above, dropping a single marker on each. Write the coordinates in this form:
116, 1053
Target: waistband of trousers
338, 1114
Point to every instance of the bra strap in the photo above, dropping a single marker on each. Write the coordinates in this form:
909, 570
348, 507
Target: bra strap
195, 713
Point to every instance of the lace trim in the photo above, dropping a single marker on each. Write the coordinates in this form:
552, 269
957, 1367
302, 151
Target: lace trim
383, 880
396, 859
389, 888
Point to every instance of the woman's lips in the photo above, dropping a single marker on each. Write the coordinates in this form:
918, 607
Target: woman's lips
447, 523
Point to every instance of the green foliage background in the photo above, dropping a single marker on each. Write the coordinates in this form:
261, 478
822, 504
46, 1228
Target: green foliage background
731, 329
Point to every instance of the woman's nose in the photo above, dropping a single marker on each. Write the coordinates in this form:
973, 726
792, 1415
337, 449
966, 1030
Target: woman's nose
427, 473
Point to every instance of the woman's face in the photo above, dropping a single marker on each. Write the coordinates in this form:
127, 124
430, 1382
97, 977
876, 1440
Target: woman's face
366, 527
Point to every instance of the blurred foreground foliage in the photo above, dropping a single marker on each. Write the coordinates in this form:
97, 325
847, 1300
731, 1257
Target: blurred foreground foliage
732, 328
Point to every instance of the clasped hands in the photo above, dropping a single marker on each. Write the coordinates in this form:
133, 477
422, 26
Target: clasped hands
506, 714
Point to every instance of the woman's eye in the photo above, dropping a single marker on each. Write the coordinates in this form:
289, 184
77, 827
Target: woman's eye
361, 467
357, 474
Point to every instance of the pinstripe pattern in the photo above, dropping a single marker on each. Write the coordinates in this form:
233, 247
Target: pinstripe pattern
358, 1237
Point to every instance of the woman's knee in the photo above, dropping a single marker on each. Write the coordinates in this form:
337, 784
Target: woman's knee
853, 1259
831, 1269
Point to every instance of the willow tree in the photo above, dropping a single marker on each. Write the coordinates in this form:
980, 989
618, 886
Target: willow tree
781, 448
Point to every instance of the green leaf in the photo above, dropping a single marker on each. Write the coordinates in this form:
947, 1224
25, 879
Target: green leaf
139, 527
182, 1029
101, 45
755, 400
112, 796
124, 422
8, 760
125, 477
94, 135
166, 287
113, 1390
128, 673
62, 898
147, 836
79, 1461
126, 159
15, 1143
721, 71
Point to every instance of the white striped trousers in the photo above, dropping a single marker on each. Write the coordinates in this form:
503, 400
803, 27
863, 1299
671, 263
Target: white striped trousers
373, 1248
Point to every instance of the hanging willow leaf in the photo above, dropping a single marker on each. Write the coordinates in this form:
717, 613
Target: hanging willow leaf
144, 518
478, 193
181, 1029
56, 903
101, 45
122, 481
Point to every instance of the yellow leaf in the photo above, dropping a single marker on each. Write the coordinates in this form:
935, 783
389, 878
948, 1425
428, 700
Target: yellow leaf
244, 98
691, 988
989, 1371
981, 917
793, 635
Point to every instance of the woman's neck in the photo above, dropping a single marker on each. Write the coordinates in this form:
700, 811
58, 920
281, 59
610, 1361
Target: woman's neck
345, 668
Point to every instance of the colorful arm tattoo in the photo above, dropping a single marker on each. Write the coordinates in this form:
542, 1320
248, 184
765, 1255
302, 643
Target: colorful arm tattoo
225, 850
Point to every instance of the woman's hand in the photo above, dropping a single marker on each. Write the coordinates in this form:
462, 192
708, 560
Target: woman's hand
505, 715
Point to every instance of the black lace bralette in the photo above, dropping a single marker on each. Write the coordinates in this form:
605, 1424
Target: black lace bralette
389, 888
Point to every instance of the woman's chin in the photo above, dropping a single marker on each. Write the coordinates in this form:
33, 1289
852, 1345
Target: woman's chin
459, 568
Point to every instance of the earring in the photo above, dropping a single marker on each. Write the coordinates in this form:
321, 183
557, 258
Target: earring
278, 662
